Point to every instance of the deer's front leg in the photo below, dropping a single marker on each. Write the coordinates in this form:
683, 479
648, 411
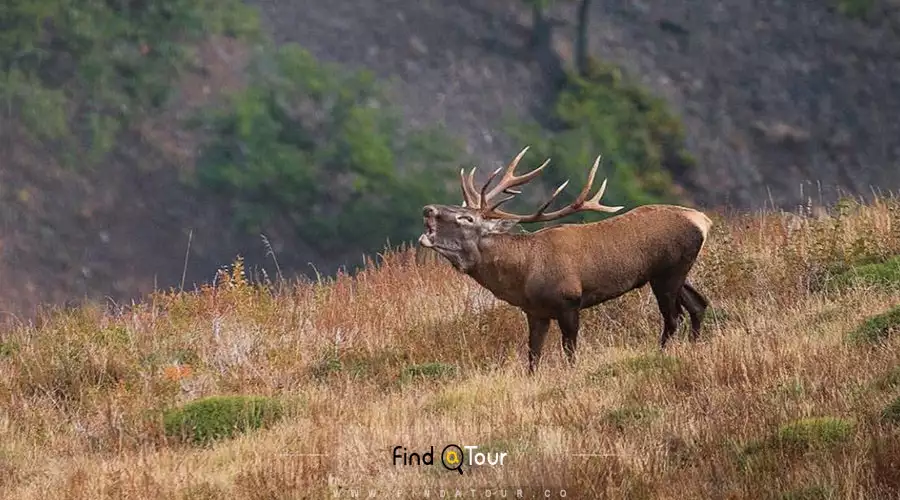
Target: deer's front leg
537, 332
568, 325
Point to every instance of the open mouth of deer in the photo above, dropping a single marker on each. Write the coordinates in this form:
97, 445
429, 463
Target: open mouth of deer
426, 240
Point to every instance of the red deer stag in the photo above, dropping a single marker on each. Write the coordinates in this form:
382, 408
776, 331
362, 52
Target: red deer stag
556, 272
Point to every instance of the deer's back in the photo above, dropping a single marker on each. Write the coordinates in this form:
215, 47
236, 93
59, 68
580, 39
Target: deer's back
615, 255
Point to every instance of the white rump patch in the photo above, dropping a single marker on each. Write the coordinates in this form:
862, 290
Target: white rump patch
700, 220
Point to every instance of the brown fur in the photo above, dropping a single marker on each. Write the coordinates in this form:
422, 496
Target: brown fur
556, 272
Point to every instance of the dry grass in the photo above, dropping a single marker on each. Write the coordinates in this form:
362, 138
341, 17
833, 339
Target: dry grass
418, 356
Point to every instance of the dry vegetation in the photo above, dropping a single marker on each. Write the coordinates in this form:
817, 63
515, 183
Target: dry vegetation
782, 397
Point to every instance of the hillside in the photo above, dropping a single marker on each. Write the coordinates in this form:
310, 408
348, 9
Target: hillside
792, 391
142, 150
774, 94
121, 140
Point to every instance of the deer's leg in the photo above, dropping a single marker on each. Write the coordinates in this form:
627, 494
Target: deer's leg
667, 295
696, 305
537, 332
568, 325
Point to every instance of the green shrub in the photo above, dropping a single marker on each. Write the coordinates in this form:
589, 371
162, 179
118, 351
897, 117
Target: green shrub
877, 328
816, 492
8, 348
764, 456
77, 72
320, 146
878, 274
631, 415
378, 366
604, 113
643, 364
888, 380
221, 417
716, 316
814, 433
891, 412
855, 9
428, 371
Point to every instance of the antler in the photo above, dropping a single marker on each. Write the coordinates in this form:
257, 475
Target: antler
484, 200
474, 198
509, 179
581, 203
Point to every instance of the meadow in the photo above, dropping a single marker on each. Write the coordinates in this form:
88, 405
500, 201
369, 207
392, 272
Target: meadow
271, 389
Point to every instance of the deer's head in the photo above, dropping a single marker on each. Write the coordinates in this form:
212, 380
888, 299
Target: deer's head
456, 232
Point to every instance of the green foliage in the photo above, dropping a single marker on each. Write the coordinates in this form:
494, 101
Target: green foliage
764, 456
541, 4
891, 412
112, 336
220, 417
8, 349
813, 433
605, 114
888, 380
716, 316
631, 415
100, 63
878, 274
855, 9
817, 492
643, 364
877, 328
320, 147
379, 366
428, 371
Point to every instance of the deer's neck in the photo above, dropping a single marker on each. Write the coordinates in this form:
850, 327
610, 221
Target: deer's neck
504, 265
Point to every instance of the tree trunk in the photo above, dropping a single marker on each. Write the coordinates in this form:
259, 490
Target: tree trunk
540, 27
581, 43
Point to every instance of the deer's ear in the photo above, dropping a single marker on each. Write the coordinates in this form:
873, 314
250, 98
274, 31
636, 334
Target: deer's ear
499, 226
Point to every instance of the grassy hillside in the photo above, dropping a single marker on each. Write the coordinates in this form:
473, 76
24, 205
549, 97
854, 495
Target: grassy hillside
791, 393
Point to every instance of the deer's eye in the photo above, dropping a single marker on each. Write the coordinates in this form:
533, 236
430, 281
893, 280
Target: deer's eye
465, 218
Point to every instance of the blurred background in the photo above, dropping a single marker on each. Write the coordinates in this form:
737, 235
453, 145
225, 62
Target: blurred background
146, 143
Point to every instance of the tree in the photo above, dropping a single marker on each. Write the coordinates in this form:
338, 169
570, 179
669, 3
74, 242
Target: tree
541, 28
581, 42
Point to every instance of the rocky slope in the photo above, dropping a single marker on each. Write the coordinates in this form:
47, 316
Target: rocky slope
780, 98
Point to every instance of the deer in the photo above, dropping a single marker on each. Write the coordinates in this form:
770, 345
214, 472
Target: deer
556, 272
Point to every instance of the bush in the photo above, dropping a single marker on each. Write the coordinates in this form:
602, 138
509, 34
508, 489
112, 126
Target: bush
220, 417
891, 412
888, 380
877, 328
877, 274
814, 433
428, 371
77, 72
622, 417
605, 114
320, 147
816, 492
765, 455
716, 316
855, 9
642, 364
379, 366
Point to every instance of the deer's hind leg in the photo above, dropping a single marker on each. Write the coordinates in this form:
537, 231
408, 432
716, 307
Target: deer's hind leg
695, 304
667, 291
